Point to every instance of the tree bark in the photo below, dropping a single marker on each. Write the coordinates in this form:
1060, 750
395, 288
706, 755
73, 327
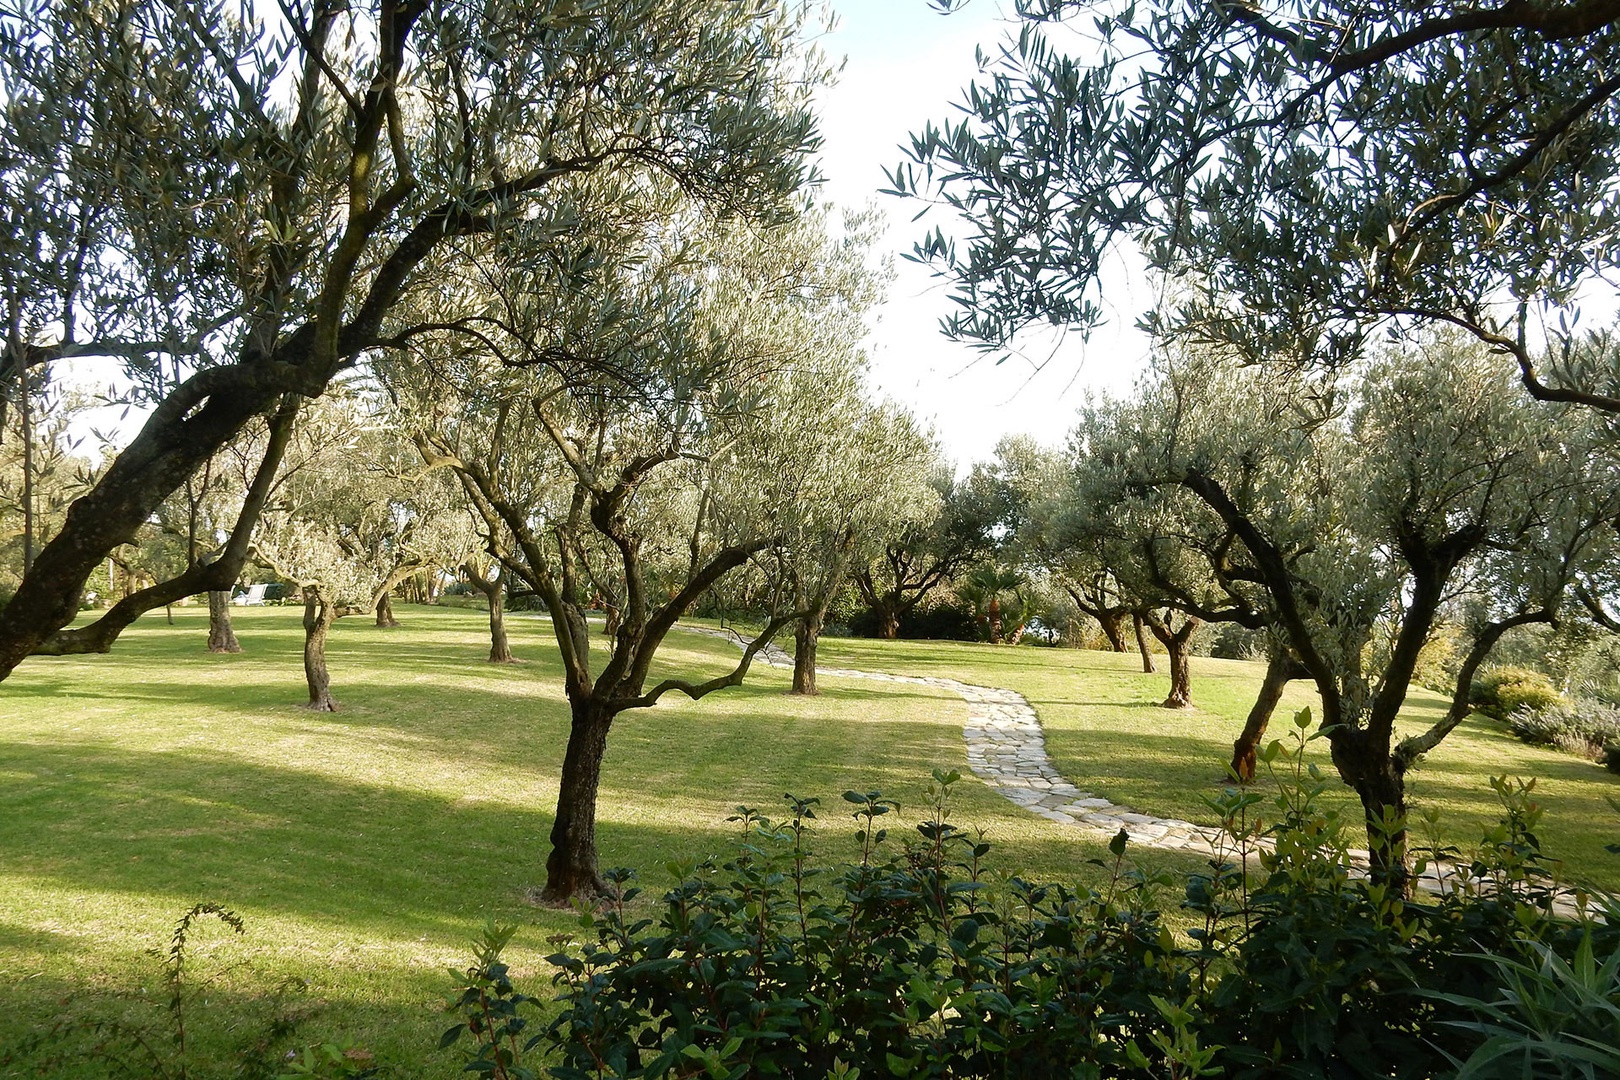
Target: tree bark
806, 634
1178, 643
1379, 780
385, 612
571, 867
318, 616
1113, 628
1280, 670
221, 636
500, 649
1142, 646
888, 622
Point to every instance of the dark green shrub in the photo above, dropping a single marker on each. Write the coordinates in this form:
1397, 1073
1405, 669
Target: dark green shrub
1504, 690
919, 962
1611, 757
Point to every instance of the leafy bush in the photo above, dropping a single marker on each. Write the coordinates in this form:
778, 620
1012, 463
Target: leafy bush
1579, 727
1504, 690
1611, 757
933, 622
920, 961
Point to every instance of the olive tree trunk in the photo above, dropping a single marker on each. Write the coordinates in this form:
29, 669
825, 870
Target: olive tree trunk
221, 636
1142, 646
806, 635
1280, 669
571, 867
318, 615
385, 612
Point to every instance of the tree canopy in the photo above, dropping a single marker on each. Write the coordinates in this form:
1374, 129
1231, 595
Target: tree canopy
1302, 172
233, 206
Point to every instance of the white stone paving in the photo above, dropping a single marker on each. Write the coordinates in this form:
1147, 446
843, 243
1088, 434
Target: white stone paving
1007, 750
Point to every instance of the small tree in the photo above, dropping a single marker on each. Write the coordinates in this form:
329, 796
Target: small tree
347, 525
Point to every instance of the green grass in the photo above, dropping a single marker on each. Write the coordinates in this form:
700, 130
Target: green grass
366, 848
1106, 732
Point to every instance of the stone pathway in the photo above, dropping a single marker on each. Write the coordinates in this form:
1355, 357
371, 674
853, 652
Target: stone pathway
1007, 750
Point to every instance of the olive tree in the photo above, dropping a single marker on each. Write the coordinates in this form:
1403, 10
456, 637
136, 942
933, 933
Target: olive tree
236, 203
618, 419
346, 524
924, 555
1302, 171
1362, 509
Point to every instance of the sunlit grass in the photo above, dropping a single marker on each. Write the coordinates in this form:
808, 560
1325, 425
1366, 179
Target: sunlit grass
1105, 730
365, 848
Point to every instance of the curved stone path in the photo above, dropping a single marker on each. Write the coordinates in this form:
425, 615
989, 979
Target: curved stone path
1007, 750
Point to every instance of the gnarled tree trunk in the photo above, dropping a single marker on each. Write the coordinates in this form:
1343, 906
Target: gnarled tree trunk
1142, 646
318, 615
221, 636
1113, 628
500, 649
1280, 669
1177, 643
806, 634
385, 612
1379, 779
571, 867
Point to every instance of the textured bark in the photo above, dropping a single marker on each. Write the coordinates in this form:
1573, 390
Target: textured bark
1177, 642
385, 612
1180, 696
221, 636
318, 616
500, 648
1113, 628
494, 592
571, 867
806, 634
1279, 671
1364, 762
888, 622
1142, 646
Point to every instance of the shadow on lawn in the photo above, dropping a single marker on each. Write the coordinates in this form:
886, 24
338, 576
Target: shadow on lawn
182, 826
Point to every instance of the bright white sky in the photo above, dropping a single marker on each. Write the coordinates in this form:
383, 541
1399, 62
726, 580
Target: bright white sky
907, 65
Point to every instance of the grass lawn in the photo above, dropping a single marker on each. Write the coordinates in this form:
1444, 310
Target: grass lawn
1106, 732
365, 848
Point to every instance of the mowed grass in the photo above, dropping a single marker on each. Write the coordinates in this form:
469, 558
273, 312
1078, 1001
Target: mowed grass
366, 848
1105, 731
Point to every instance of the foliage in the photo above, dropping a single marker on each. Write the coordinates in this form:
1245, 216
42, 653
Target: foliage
1578, 727
938, 619
1552, 1016
236, 204
919, 960
1502, 691
1302, 172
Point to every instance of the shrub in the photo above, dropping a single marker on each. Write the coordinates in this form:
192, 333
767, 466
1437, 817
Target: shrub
1579, 727
1611, 757
1501, 691
919, 961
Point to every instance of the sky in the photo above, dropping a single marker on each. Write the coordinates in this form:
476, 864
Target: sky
906, 64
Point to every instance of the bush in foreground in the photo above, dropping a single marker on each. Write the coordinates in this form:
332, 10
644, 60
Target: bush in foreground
919, 961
